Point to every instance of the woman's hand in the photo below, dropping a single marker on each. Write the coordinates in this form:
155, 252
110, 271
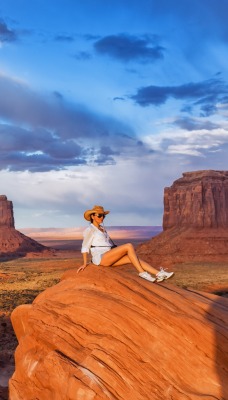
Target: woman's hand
81, 268
85, 263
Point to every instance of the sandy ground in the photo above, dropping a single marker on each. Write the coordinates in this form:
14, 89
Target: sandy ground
21, 280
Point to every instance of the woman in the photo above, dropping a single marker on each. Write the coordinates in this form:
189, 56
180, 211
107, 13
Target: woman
97, 241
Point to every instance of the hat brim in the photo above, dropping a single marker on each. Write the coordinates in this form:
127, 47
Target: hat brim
88, 213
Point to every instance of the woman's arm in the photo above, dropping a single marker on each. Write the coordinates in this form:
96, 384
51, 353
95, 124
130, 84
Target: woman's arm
84, 265
87, 241
88, 235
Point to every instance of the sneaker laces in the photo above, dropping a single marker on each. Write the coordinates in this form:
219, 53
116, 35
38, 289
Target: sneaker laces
163, 269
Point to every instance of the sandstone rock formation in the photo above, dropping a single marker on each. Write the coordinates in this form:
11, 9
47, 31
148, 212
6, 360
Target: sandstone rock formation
198, 199
6, 213
195, 221
8, 343
108, 334
13, 242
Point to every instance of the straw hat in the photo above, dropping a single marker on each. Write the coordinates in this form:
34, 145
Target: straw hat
95, 210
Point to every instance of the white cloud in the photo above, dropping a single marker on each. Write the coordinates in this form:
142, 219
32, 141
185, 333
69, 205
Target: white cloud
183, 149
133, 190
194, 142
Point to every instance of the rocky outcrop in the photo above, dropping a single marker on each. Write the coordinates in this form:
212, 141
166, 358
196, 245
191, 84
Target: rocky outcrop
198, 199
195, 221
12, 242
181, 245
108, 334
6, 213
8, 343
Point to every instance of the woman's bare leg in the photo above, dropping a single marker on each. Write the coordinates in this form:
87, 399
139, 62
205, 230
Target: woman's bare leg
146, 267
126, 254
116, 254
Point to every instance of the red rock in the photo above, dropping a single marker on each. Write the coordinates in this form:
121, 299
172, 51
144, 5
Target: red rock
195, 221
13, 242
181, 245
198, 199
107, 334
8, 343
6, 212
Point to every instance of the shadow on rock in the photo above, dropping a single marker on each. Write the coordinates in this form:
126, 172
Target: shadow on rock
8, 343
218, 316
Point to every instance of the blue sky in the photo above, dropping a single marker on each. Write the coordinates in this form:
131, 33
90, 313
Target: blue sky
107, 102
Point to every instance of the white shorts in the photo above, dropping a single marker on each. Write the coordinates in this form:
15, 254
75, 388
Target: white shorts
97, 253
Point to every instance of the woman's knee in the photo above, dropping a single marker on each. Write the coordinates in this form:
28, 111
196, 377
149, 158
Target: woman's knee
129, 246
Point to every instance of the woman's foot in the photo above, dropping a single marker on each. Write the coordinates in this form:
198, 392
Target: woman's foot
147, 276
162, 274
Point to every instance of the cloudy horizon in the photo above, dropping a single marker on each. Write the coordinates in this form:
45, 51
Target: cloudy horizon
102, 103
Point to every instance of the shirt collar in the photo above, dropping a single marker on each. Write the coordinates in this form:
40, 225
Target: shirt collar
94, 227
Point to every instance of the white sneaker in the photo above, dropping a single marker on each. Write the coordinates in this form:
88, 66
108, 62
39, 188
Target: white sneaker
147, 276
162, 274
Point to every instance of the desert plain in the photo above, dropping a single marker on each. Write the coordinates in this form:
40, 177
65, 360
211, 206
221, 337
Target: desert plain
22, 279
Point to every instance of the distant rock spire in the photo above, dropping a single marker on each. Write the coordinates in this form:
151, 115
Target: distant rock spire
12, 242
6, 212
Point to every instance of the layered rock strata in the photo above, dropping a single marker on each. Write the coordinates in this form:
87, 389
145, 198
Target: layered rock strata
108, 334
195, 221
13, 242
6, 213
198, 199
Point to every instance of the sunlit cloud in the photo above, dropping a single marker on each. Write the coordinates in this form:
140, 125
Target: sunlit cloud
193, 143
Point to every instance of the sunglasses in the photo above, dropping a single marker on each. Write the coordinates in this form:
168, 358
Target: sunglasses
100, 215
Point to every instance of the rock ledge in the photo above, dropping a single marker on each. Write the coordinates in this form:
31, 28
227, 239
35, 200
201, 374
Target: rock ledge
107, 334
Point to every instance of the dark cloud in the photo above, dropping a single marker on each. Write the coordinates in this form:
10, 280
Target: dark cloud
108, 151
103, 159
119, 98
37, 150
64, 150
132, 71
40, 150
64, 38
6, 34
126, 47
91, 37
224, 100
14, 138
204, 95
22, 106
82, 55
190, 124
105, 155
41, 133
58, 95
20, 161
207, 110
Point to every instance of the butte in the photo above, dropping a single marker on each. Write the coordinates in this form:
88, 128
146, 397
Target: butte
195, 221
12, 242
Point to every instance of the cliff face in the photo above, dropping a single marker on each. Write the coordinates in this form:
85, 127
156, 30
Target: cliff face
12, 242
195, 221
107, 334
198, 199
6, 213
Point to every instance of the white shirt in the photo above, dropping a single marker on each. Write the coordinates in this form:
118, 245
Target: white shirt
94, 237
